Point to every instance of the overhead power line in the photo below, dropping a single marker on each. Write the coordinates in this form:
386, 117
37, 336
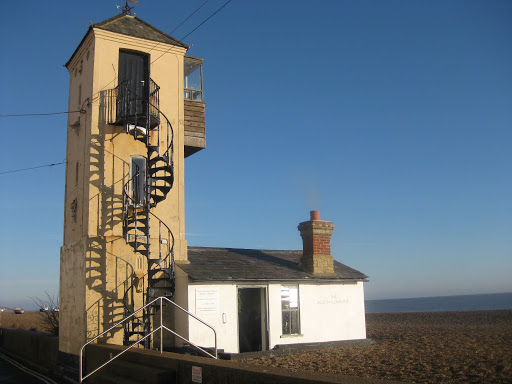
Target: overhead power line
213, 14
82, 111
42, 114
189, 16
28, 169
208, 18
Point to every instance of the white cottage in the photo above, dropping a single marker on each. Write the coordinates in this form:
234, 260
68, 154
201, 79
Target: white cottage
259, 299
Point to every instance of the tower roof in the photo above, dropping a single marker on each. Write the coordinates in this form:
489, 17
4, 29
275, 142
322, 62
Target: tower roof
131, 26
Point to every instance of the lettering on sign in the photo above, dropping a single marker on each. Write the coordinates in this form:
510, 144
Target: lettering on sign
207, 301
332, 300
197, 374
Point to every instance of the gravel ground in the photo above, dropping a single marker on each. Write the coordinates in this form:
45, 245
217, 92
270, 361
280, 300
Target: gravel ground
29, 320
433, 347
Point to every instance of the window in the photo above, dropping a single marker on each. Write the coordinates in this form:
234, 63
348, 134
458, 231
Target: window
76, 173
74, 209
138, 180
290, 309
193, 81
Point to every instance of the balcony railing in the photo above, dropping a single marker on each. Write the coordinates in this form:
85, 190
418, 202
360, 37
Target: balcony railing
193, 94
131, 103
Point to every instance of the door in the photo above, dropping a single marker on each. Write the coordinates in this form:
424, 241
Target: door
252, 319
133, 84
138, 180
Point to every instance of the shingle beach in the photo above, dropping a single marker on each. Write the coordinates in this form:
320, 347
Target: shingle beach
422, 347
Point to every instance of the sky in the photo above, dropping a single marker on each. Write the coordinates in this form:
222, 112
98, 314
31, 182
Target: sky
393, 118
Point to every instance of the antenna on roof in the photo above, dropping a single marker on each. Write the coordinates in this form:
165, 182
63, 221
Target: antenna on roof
127, 10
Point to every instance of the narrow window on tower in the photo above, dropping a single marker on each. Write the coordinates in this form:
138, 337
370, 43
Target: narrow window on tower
76, 173
76, 125
138, 180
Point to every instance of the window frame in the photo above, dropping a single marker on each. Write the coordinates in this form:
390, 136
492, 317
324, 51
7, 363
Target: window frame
286, 330
142, 200
190, 93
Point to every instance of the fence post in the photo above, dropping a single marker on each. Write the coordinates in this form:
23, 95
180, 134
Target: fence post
161, 326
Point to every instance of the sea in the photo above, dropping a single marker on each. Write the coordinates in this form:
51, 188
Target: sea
490, 301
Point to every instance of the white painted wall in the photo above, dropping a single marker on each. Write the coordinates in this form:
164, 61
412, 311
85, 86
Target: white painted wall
210, 303
181, 298
328, 312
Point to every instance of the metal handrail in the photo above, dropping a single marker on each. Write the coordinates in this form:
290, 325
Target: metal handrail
128, 197
160, 328
153, 108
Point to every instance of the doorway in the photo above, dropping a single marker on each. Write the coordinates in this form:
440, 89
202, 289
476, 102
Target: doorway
134, 83
252, 319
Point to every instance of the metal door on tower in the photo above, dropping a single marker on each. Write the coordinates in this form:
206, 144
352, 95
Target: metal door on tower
133, 84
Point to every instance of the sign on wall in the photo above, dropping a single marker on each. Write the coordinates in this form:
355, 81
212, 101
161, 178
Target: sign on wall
197, 374
332, 300
207, 301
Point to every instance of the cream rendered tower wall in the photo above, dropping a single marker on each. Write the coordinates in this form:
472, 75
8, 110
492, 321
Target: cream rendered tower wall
97, 264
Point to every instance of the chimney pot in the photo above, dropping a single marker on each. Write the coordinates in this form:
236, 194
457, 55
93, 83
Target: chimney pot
315, 215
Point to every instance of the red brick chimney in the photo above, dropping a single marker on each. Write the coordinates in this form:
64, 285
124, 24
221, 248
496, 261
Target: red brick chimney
316, 241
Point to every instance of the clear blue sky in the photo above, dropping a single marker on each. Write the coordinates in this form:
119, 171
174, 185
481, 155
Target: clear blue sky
393, 118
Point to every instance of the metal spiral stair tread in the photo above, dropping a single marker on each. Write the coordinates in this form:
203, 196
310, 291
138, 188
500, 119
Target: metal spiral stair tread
146, 128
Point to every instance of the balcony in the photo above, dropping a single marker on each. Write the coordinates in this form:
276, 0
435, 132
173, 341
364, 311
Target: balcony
135, 104
194, 121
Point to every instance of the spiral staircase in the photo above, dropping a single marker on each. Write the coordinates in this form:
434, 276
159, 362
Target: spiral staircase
147, 187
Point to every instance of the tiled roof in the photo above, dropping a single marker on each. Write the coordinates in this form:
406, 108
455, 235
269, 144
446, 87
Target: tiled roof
225, 264
131, 26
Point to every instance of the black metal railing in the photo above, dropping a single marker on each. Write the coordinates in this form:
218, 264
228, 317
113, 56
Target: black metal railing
136, 106
136, 230
154, 100
129, 102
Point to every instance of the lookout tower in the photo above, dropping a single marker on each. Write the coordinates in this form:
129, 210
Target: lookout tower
141, 112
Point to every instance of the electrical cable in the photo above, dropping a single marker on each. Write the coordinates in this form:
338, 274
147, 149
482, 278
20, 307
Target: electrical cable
42, 114
153, 47
192, 14
38, 166
213, 14
208, 18
82, 111
96, 95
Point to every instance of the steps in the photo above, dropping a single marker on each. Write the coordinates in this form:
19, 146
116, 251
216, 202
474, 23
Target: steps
141, 117
161, 176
